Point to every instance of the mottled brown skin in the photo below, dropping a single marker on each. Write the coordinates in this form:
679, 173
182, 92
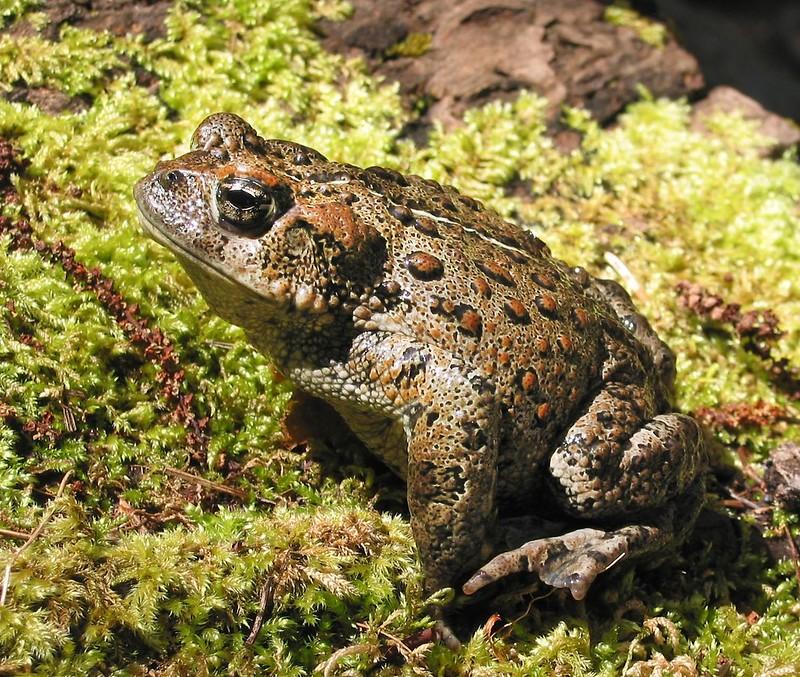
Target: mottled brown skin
477, 366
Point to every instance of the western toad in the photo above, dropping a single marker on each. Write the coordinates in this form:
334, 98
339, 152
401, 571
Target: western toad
494, 378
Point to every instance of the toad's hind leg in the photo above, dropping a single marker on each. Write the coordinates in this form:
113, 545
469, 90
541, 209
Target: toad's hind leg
576, 558
637, 480
618, 459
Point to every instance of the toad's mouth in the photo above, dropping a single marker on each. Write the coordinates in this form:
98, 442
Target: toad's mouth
278, 293
153, 230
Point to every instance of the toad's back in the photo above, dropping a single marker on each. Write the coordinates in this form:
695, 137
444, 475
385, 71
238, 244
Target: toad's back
457, 276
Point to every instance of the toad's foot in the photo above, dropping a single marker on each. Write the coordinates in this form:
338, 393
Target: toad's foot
446, 636
571, 561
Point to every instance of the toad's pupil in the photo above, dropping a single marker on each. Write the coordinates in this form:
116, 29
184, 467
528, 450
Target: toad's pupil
242, 199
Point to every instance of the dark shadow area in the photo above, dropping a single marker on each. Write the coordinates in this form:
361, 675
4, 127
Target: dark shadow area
752, 46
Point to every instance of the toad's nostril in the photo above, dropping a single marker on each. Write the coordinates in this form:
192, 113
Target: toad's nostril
172, 179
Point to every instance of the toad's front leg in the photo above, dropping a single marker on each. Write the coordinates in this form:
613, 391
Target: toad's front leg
452, 432
451, 422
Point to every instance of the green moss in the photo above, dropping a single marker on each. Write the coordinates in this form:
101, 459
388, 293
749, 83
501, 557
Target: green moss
77, 64
414, 44
13, 9
199, 588
649, 31
142, 568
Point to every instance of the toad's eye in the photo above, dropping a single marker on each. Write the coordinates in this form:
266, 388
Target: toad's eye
249, 207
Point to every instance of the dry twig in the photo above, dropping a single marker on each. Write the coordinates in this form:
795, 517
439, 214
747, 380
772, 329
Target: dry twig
33, 536
793, 548
267, 597
202, 481
10, 533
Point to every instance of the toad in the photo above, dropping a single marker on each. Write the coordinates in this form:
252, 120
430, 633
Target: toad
492, 377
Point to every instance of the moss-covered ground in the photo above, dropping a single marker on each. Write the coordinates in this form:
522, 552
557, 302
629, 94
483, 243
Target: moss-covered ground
116, 377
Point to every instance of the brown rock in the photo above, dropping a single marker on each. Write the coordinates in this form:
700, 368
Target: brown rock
121, 17
49, 100
782, 131
491, 49
482, 49
782, 475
